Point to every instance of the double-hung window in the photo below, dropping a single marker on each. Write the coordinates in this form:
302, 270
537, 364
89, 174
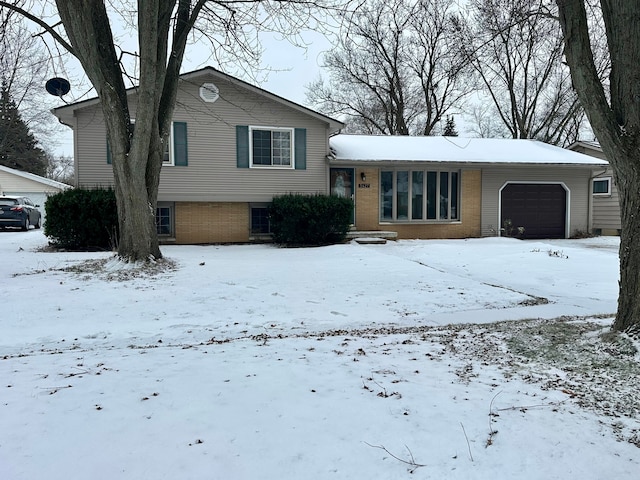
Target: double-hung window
419, 195
271, 147
281, 148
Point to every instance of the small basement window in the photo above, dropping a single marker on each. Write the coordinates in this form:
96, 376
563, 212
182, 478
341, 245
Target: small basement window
164, 220
602, 186
260, 220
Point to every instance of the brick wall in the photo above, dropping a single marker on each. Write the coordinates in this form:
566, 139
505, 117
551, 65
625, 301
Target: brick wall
367, 199
227, 222
199, 222
367, 209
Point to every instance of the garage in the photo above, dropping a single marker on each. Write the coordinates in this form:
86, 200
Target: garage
23, 184
541, 208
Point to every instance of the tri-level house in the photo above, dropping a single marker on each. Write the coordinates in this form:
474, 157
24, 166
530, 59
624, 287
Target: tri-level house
234, 146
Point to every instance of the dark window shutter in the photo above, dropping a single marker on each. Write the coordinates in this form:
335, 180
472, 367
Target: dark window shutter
242, 146
108, 152
180, 144
301, 148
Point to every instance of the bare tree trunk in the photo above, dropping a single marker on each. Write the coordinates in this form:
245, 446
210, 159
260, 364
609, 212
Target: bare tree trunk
627, 180
136, 154
616, 124
136, 211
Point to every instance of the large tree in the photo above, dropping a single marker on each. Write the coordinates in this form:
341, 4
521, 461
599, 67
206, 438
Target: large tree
163, 28
18, 147
613, 109
516, 50
397, 68
26, 127
23, 65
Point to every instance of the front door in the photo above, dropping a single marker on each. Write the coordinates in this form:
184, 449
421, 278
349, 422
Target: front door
342, 185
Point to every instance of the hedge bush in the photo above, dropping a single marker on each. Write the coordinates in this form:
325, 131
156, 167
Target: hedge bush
82, 219
309, 220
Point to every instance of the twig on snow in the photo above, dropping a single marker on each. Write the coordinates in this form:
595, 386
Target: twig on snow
527, 407
411, 463
54, 390
492, 432
467, 439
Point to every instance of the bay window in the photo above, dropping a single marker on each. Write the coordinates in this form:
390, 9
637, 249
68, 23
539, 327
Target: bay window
419, 195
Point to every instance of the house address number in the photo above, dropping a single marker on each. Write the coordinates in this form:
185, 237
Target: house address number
364, 185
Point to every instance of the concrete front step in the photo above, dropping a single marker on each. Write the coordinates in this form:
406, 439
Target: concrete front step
370, 240
372, 236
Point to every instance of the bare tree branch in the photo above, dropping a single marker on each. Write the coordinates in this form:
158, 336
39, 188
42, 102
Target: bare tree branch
516, 48
38, 21
397, 68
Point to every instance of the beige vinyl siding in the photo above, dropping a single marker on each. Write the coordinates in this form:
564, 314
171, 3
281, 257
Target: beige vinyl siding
589, 151
90, 138
212, 174
576, 181
606, 208
16, 183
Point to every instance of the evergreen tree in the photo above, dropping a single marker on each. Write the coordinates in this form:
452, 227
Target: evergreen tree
450, 127
18, 147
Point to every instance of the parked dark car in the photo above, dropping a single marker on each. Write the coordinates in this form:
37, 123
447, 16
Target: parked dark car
19, 212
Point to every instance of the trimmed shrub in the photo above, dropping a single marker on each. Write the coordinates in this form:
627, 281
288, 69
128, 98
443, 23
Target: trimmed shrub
82, 219
310, 220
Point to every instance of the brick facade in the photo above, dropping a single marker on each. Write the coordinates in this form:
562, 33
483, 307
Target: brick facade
228, 222
368, 216
200, 222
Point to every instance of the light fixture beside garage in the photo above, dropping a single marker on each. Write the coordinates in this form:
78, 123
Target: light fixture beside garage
209, 92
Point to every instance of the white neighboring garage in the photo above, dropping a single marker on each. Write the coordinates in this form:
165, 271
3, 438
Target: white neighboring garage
38, 189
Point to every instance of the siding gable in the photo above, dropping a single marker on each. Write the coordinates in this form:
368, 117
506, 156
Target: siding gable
215, 171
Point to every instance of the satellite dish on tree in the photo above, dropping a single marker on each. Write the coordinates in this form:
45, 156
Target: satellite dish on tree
58, 86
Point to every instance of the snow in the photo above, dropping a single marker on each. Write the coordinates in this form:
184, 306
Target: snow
382, 148
348, 361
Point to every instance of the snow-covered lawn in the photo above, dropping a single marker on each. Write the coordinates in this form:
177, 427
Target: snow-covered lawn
465, 359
